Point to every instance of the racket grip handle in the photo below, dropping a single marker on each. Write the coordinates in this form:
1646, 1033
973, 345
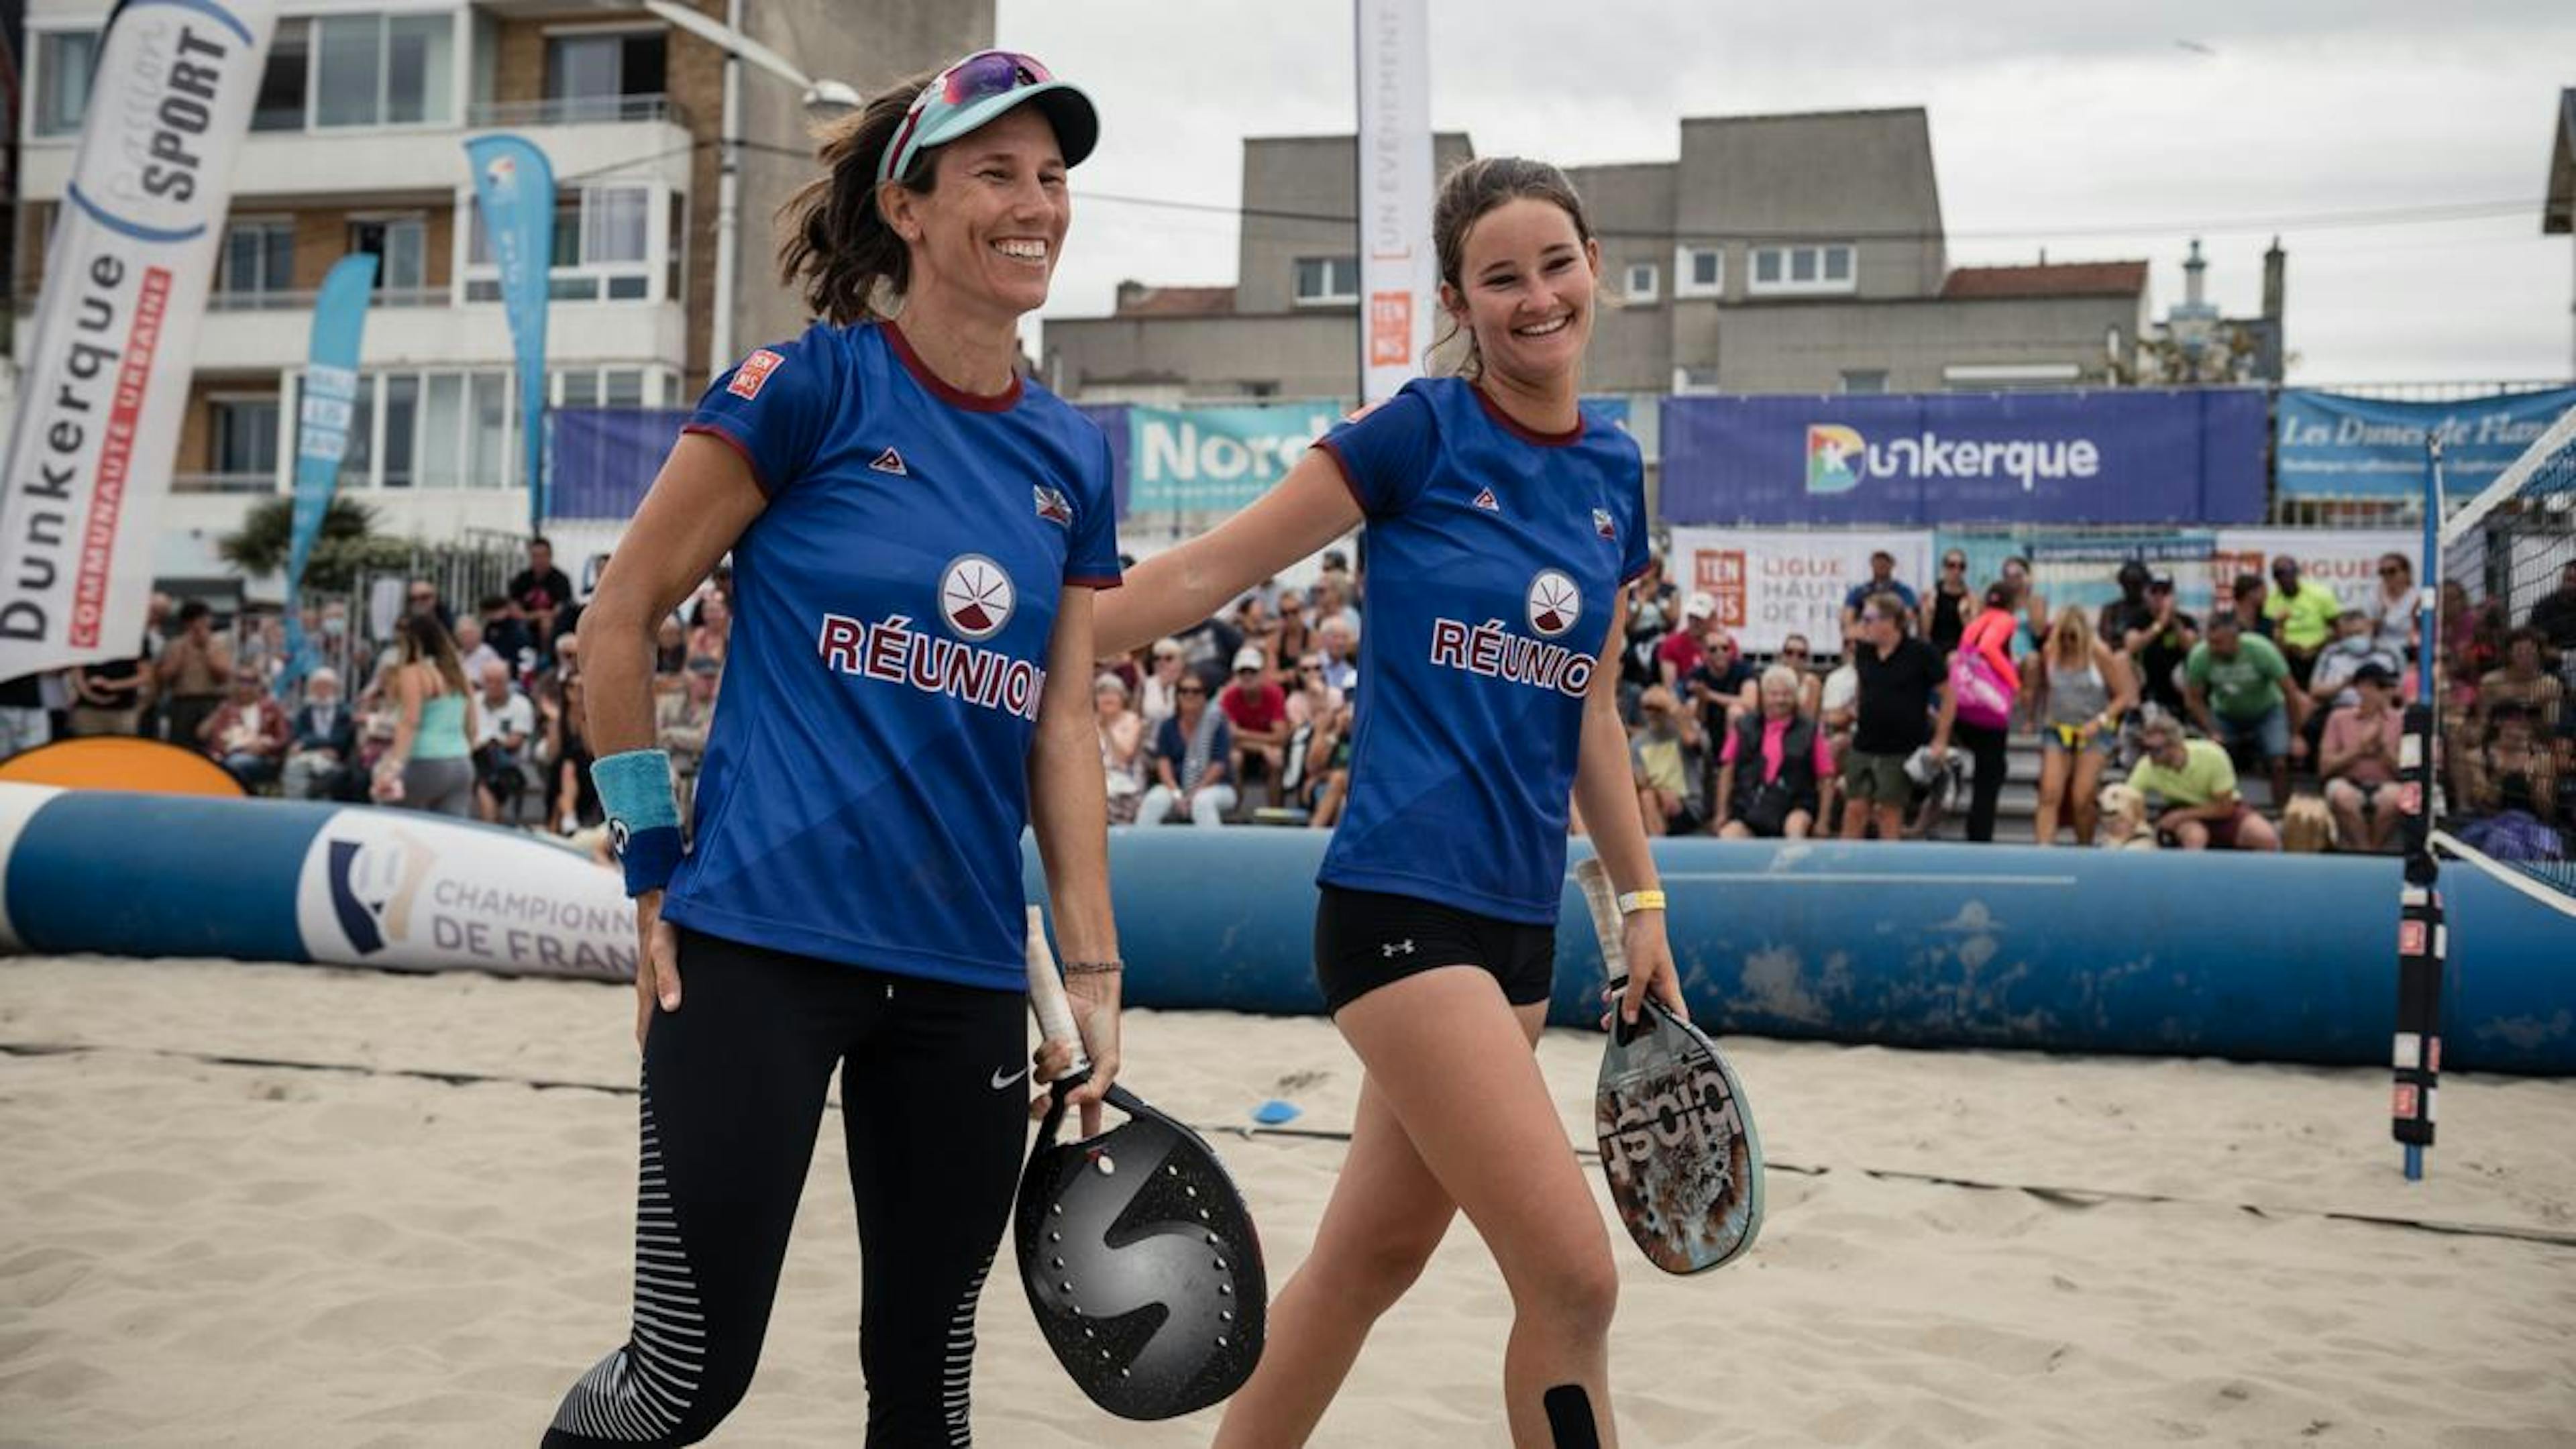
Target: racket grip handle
1602, 903
1046, 992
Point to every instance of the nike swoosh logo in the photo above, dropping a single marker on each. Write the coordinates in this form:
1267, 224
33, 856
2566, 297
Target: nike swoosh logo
1000, 1080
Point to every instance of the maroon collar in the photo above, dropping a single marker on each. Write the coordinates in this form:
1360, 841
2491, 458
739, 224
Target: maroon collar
956, 397
1524, 431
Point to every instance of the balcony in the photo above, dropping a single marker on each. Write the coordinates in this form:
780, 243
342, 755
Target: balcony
302, 300
223, 483
638, 137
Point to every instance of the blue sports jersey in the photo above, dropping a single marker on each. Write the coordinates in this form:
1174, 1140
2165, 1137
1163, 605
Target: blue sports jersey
1495, 556
866, 776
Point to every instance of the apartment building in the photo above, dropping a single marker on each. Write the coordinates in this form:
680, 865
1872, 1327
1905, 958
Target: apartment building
1791, 253
357, 146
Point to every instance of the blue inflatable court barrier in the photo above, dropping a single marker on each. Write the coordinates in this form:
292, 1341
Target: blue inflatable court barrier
2260, 958
275, 880
2271, 958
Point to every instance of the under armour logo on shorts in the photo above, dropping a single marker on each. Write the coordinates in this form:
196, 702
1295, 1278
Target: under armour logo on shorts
1394, 949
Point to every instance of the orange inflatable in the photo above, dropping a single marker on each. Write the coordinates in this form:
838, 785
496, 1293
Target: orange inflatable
120, 762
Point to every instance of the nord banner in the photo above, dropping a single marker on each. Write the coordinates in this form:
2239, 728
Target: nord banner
2124, 456
1216, 459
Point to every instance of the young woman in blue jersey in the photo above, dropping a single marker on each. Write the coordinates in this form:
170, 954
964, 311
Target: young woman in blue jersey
1503, 524
916, 537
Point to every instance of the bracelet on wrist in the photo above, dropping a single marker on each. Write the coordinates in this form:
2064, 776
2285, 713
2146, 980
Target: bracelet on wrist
1110, 967
1631, 902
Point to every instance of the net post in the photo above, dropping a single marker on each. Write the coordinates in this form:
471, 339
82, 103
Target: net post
2422, 938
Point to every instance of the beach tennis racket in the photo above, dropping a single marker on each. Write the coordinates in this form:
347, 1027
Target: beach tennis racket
1677, 1139
1138, 1254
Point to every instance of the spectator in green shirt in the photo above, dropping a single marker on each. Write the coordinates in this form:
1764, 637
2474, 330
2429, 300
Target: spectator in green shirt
2303, 614
2240, 691
2197, 786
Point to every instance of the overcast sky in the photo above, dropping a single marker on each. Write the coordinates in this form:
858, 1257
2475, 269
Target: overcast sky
2091, 130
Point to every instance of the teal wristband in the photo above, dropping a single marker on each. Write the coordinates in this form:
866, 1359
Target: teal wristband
643, 818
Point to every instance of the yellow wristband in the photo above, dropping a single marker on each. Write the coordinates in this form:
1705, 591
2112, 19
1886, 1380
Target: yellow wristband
1635, 901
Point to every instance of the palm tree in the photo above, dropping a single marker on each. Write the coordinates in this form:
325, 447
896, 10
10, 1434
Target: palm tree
346, 540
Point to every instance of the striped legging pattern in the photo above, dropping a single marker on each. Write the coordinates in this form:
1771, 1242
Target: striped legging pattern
957, 1371
640, 1393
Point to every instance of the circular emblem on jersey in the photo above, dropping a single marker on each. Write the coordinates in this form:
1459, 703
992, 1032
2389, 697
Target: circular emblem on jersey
975, 597
1554, 603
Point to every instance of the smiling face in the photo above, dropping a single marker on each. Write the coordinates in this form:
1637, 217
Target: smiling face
1525, 290
991, 227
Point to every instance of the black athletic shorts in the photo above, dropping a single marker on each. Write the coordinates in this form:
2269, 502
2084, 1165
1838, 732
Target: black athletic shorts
1365, 939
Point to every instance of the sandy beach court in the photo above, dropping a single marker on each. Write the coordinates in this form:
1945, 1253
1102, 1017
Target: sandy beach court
400, 1241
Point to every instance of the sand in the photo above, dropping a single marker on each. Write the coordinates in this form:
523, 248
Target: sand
201, 1251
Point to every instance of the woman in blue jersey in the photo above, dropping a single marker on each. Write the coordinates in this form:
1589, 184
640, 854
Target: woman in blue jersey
1503, 524
916, 537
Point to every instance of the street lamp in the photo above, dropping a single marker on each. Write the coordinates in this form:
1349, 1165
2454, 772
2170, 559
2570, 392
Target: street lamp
823, 99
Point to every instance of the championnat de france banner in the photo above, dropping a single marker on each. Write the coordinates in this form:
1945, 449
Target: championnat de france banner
1399, 273
115, 335
2115, 456
514, 185
2330, 445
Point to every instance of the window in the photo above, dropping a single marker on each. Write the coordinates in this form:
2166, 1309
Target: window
402, 428
442, 432
489, 460
590, 77
1865, 380
1793, 269
580, 388
1323, 281
401, 247
602, 247
259, 259
64, 60
1640, 283
244, 436
1699, 271
384, 70
280, 104
622, 387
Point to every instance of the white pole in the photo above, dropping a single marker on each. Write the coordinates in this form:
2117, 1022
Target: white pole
720, 344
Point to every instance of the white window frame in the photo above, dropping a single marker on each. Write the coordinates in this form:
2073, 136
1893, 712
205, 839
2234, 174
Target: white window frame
1686, 282
36, 81
357, 218
653, 267
460, 63
223, 254
1819, 285
1327, 298
600, 29
1635, 295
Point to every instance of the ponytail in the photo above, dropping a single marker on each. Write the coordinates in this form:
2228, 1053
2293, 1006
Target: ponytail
834, 245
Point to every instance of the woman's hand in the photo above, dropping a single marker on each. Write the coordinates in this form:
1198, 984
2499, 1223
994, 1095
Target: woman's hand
657, 964
1093, 998
1650, 967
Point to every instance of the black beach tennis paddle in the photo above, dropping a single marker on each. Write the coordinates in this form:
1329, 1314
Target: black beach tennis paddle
1138, 1254
1677, 1139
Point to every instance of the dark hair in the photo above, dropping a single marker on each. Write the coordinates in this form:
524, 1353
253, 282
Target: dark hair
833, 244
541, 541
193, 610
2226, 619
2528, 634
2247, 582
1473, 188
426, 641
1999, 596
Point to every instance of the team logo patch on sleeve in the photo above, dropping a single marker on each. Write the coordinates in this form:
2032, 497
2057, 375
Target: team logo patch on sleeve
1604, 525
891, 461
1053, 506
754, 371
1486, 500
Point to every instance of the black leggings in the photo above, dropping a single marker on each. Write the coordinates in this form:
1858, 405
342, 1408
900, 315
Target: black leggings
934, 1107
1986, 747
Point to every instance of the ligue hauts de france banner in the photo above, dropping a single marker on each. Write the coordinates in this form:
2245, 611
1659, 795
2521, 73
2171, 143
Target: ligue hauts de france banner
107, 361
1770, 584
2123, 456
2330, 445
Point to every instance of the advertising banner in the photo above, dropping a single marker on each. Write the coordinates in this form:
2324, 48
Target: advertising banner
1216, 459
107, 359
2345, 560
1399, 272
1770, 585
515, 188
2118, 456
322, 429
2331, 445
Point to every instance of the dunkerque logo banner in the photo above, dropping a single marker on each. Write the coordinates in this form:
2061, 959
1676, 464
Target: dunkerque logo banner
2125, 456
516, 190
2332, 445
